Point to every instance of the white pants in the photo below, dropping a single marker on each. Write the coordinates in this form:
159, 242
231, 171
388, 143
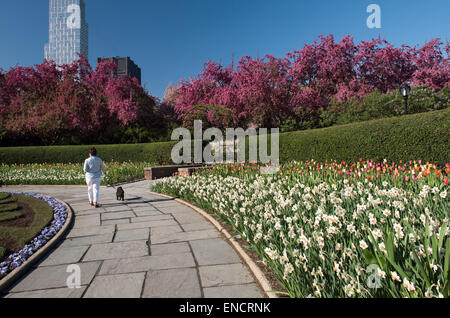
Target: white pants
93, 189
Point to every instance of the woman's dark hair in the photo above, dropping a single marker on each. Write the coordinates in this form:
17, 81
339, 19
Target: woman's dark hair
93, 152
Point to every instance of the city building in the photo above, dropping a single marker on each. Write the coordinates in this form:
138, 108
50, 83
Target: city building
68, 31
125, 66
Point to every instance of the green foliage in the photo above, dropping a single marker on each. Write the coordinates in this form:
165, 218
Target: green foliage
284, 218
4, 196
10, 216
43, 215
422, 136
418, 137
159, 153
2, 252
211, 115
377, 105
8, 207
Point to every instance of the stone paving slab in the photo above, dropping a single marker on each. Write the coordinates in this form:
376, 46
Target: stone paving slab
54, 277
145, 264
197, 226
116, 250
184, 236
91, 231
235, 291
167, 249
172, 283
132, 235
154, 223
115, 222
117, 215
118, 209
116, 286
146, 207
188, 218
166, 230
91, 211
151, 214
88, 240
148, 224
87, 220
147, 246
69, 255
220, 275
51, 293
214, 252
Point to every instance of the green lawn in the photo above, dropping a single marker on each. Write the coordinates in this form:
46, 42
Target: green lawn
22, 218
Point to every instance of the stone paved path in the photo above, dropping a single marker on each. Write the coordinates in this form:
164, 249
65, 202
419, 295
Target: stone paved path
147, 246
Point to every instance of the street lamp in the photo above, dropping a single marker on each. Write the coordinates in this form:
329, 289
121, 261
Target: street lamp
405, 89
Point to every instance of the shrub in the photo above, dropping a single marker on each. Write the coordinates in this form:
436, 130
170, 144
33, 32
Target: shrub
377, 105
420, 136
154, 152
413, 137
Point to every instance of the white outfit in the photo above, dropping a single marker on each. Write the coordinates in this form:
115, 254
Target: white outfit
94, 168
93, 189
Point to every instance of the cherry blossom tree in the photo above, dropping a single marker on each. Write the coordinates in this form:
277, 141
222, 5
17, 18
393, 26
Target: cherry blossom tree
264, 91
48, 102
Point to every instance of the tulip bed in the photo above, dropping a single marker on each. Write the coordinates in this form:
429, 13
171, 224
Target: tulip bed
336, 229
68, 174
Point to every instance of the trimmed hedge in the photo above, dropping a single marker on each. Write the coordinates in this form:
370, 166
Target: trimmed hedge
155, 152
422, 136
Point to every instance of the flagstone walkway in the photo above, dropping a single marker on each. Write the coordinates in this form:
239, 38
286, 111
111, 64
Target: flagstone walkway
147, 246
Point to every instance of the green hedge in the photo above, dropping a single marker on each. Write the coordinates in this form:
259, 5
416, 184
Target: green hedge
155, 152
422, 136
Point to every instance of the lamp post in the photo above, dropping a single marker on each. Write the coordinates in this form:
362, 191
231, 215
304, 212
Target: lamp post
405, 89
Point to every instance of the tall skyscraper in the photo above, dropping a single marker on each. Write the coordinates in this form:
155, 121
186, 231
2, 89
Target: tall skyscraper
68, 31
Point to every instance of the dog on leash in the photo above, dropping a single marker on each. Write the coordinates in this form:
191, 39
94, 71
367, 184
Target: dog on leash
120, 194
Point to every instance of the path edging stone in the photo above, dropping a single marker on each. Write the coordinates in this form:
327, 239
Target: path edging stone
20, 271
257, 273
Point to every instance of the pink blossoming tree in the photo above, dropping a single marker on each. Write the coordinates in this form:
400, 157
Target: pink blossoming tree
264, 91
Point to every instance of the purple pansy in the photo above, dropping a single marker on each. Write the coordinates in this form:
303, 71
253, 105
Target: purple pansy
59, 219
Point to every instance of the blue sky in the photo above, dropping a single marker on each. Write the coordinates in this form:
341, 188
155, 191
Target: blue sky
171, 39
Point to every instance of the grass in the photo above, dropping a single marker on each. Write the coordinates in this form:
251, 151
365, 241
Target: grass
8, 207
2, 252
15, 237
10, 216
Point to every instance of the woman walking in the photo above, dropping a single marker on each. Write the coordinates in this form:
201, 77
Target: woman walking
94, 167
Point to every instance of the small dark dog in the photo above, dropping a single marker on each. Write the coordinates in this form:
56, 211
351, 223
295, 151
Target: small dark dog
120, 194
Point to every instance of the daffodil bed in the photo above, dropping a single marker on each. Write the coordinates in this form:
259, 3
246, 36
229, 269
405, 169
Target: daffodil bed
336, 229
68, 174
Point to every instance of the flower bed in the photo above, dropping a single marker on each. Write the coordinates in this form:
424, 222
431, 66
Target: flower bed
59, 219
336, 229
68, 174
